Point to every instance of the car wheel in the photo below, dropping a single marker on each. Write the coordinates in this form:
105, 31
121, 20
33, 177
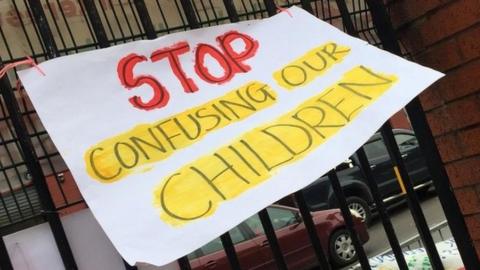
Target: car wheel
342, 251
360, 206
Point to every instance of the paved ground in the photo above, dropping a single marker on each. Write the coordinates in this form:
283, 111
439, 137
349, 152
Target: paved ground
404, 225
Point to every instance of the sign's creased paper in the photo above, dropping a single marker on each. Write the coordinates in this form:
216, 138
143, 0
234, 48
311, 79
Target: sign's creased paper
176, 140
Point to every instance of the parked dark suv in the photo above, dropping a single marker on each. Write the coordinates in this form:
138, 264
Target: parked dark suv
319, 195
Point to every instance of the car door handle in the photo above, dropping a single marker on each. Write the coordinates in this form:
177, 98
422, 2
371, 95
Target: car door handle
373, 166
265, 243
404, 155
211, 264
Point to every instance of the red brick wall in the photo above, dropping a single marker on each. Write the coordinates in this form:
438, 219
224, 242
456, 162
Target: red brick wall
445, 35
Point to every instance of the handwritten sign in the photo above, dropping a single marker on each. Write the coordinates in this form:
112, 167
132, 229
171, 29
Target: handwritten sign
176, 140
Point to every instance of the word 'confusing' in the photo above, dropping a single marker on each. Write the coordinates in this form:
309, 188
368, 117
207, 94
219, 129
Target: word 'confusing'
116, 157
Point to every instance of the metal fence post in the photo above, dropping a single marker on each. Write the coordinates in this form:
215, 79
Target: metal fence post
190, 14
145, 19
426, 140
5, 263
272, 239
312, 231
96, 23
231, 10
230, 251
347, 217
381, 209
412, 199
39, 181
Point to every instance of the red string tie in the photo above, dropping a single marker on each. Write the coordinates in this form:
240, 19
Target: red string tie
281, 9
29, 61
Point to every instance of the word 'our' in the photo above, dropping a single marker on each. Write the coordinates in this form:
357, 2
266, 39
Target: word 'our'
230, 60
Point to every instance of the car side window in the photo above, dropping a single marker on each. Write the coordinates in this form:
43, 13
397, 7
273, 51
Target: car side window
216, 244
237, 235
281, 217
212, 246
375, 149
405, 140
255, 224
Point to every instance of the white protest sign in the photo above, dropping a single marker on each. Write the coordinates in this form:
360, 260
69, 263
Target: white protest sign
176, 140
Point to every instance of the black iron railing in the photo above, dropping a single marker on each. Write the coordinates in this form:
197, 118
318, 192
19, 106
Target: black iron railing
34, 183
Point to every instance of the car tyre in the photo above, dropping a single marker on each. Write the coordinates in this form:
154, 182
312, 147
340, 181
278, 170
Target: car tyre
361, 207
342, 252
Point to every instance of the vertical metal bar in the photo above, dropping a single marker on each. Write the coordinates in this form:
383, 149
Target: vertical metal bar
230, 251
346, 19
128, 266
96, 23
381, 209
5, 263
272, 239
312, 231
42, 24
412, 199
307, 6
455, 219
416, 211
271, 7
184, 263
231, 10
34, 168
145, 19
347, 217
190, 14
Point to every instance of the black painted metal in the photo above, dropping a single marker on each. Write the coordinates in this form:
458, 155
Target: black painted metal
455, 219
381, 209
145, 19
96, 23
230, 251
272, 239
312, 232
189, 12
395, 156
347, 217
5, 263
44, 28
426, 141
231, 10
128, 266
412, 199
271, 7
386, 34
346, 19
35, 170
307, 5
184, 263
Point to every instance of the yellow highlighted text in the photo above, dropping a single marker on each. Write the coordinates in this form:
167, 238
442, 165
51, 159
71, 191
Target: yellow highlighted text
311, 65
196, 190
132, 151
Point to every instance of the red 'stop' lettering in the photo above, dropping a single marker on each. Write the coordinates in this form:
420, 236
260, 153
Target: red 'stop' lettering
172, 54
125, 74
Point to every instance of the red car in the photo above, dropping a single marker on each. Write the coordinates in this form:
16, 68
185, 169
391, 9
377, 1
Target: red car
254, 252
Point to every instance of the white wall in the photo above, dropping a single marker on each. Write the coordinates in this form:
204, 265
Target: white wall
35, 249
